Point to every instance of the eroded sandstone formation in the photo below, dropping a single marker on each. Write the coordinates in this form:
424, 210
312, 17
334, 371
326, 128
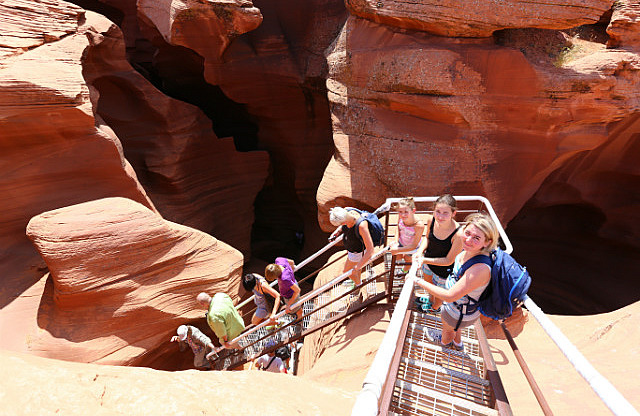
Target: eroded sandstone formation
419, 115
122, 280
62, 74
193, 177
277, 72
184, 22
623, 29
33, 385
459, 18
55, 152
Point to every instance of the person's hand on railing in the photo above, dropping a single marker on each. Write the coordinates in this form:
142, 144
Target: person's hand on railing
393, 248
335, 234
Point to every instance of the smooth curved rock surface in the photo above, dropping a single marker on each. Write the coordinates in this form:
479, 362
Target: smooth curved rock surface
34, 386
122, 280
54, 150
460, 18
276, 72
204, 26
193, 177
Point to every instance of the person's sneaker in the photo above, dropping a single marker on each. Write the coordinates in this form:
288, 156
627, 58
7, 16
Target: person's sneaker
433, 335
457, 347
349, 284
423, 299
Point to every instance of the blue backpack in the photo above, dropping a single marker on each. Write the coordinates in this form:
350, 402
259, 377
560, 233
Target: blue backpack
507, 288
375, 226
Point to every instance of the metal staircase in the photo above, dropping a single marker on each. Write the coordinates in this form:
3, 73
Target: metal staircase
321, 307
424, 378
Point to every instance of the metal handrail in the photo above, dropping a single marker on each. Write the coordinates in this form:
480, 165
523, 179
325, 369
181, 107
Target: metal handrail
508, 246
611, 397
367, 400
308, 296
297, 267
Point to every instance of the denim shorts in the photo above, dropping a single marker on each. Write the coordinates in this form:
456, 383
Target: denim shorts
261, 313
437, 280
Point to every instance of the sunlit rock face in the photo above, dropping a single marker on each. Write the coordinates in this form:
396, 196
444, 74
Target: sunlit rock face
207, 27
419, 115
623, 29
45, 386
68, 97
122, 279
460, 18
55, 151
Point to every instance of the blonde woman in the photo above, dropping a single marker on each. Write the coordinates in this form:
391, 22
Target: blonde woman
479, 238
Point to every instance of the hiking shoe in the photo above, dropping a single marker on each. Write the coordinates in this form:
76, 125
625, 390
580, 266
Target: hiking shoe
433, 335
350, 284
423, 299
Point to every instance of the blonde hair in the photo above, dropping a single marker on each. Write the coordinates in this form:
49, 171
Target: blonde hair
338, 216
272, 272
407, 202
484, 223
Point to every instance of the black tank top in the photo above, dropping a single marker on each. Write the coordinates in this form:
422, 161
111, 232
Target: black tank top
351, 238
439, 248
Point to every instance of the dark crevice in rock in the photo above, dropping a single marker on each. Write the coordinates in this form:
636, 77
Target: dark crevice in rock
179, 73
551, 240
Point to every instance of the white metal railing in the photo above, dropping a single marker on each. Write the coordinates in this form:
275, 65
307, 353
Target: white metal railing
611, 397
297, 267
252, 342
369, 397
508, 246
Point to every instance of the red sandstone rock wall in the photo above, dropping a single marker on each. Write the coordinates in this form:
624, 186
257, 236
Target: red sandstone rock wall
415, 114
54, 151
64, 89
193, 177
277, 71
459, 18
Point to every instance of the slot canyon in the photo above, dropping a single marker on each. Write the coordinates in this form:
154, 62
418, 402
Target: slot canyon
154, 149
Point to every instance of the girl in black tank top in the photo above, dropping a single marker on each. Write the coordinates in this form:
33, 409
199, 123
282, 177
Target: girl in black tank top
439, 254
439, 248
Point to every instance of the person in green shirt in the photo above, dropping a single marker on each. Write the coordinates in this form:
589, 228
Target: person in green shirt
222, 317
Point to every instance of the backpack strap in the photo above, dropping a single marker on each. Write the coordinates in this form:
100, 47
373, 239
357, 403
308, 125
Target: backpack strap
480, 258
471, 302
269, 365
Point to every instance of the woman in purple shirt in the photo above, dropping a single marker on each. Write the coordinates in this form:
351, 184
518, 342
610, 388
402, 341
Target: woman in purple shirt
282, 269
